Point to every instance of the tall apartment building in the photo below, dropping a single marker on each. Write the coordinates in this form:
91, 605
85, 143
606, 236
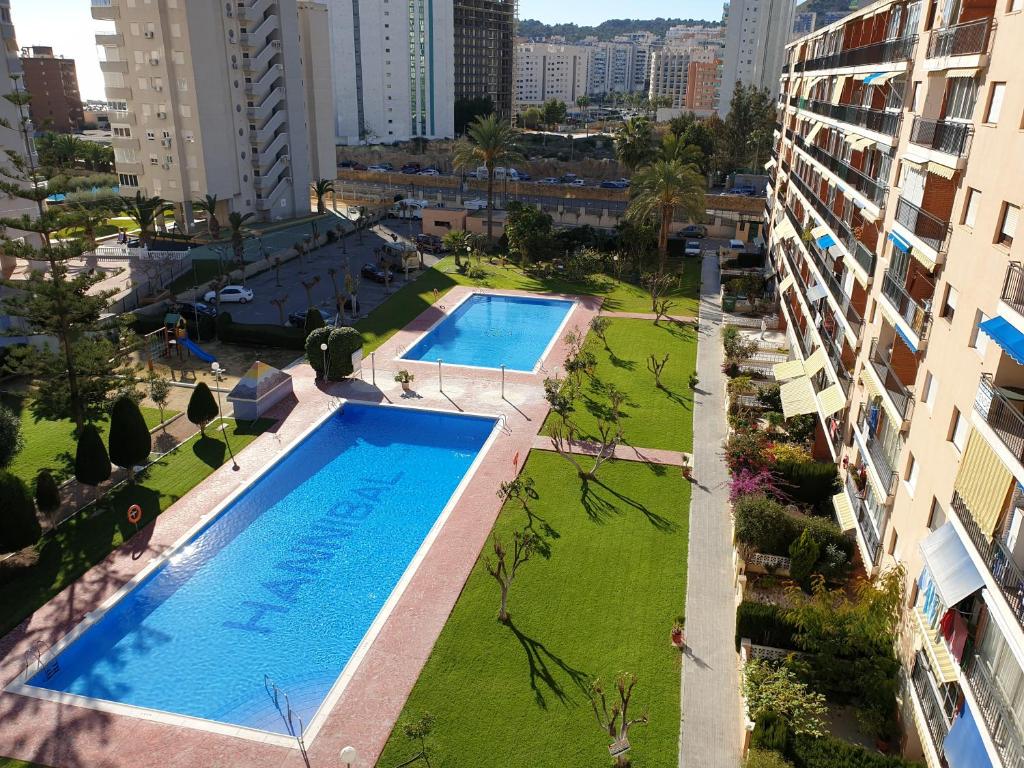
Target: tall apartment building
484, 36
669, 70
644, 45
688, 74
53, 84
894, 214
703, 87
398, 60
613, 68
550, 71
213, 99
755, 38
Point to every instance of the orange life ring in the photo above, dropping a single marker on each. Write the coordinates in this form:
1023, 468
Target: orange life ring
134, 514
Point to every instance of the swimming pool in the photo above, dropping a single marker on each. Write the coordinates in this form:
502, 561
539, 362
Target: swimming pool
285, 582
488, 331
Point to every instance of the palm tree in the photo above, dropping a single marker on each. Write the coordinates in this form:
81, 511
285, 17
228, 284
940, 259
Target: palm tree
320, 188
634, 143
208, 205
659, 190
145, 211
67, 149
490, 143
583, 102
236, 222
673, 147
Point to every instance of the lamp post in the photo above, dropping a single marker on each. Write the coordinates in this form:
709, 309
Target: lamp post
349, 756
323, 348
218, 374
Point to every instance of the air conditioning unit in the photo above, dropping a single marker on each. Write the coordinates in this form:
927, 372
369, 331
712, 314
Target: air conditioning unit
166, 166
154, 62
161, 115
148, 34
165, 142
276, 44
157, 87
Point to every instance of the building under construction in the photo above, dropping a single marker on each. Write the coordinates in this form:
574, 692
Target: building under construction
484, 46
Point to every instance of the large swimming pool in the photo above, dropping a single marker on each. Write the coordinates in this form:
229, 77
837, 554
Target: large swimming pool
284, 583
489, 331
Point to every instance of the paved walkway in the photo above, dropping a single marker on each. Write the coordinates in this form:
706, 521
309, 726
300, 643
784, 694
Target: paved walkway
622, 452
710, 693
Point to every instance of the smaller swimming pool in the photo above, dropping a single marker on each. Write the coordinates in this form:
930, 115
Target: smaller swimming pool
489, 331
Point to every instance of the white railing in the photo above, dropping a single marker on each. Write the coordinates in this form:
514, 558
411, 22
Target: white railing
143, 254
770, 563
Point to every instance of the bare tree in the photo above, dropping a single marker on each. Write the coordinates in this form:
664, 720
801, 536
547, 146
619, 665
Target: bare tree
277, 271
518, 488
339, 300
656, 367
280, 303
309, 285
418, 731
658, 286
599, 326
505, 565
563, 435
661, 309
615, 719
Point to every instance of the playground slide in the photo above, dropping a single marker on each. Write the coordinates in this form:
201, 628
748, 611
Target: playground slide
196, 350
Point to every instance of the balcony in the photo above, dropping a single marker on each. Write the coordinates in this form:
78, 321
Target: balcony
122, 116
114, 66
1000, 414
105, 10
1013, 287
885, 465
996, 713
969, 39
941, 135
907, 307
876, 120
935, 716
865, 523
900, 49
845, 304
839, 227
901, 397
865, 258
873, 189
111, 39
926, 227
119, 93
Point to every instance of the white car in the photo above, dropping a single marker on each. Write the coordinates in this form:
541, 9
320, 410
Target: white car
577, 183
376, 169
476, 204
692, 248
429, 172
230, 294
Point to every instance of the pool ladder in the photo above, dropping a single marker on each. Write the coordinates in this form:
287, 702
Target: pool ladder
34, 655
287, 714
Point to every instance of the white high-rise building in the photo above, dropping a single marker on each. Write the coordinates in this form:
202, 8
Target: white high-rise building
547, 71
399, 69
613, 68
212, 99
756, 34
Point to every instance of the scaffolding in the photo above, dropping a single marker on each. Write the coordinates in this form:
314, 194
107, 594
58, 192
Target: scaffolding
484, 47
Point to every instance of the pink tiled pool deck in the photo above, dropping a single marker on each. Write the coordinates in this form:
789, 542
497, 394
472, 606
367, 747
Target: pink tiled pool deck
68, 736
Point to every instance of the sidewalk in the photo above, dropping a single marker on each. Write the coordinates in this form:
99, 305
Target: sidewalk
710, 691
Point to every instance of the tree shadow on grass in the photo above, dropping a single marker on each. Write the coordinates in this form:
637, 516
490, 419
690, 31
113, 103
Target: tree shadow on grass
619, 362
658, 521
540, 528
210, 451
679, 400
541, 660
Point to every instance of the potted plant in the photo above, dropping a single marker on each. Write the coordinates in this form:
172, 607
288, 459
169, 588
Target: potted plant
404, 378
678, 633
687, 469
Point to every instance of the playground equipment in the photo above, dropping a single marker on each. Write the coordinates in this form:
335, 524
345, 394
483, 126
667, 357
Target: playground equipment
173, 338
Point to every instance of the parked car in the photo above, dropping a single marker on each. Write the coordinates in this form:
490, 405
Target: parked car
358, 167
298, 319
577, 183
743, 190
194, 312
411, 168
698, 231
377, 169
430, 243
692, 248
568, 178
231, 294
614, 184
345, 164
550, 180
430, 172
523, 176
375, 273
476, 204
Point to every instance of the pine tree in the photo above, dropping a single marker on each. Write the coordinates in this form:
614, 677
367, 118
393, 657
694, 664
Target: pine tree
202, 408
92, 464
129, 440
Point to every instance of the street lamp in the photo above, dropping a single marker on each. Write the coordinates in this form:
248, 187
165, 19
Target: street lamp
323, 348
349, 756
218, 374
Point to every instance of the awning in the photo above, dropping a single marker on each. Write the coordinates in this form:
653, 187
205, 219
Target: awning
941, 170
832, 400
809, 138
844, 511
788, 370
837, 92
982, 482
964, 746
899, 242
770, 164
784, 229
878, 78
787, 282
825, 241
869, 383
1003, 333
862, 143
816, 293
950, 565
798, 397
962, 72
814, 362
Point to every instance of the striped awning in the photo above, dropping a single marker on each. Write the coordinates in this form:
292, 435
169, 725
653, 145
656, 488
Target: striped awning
961, 72
815, 361
788, 370
983, 482
844, 511
832, 400
787, 282
798, 397
878, 78
941, 170
809, 138
869, 383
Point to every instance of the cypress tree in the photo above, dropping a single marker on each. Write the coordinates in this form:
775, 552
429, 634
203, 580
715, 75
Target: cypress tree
92, 464
130, 442
19, 526
47, 493
314, 320
202, 408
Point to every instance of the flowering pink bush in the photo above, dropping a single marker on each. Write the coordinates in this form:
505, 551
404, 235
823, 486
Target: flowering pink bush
747, 482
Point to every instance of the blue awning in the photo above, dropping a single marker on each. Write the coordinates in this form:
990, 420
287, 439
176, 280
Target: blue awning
906, 340
872, 77
964, 747
826, 241
950, 565
899, 242
1002, 332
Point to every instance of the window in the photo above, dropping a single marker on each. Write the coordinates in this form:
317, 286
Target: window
936, 517
931, 387
128, 179
911, 477
893, 542
995, 102
949, 304
1015, 5
150, 136
979, 340
915, 101
1007, 224
958, 430
961, 93
971, 207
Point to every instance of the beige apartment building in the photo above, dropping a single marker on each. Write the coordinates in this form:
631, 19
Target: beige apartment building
893, 232
232, 99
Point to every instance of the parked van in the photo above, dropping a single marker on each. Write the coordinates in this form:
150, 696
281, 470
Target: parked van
500, 173
409, 208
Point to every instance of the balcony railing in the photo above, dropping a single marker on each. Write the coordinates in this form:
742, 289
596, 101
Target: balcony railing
865, 522
872, 119
865, 258
942, 135
873, 189
927, 227
935, 716
885, 465
846, 308
1013, 286
998, 559
840, 227
1005, 420
897, 391
916, 315
900, 49
997, 713
968, 39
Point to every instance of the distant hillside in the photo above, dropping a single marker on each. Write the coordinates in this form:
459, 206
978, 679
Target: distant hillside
608, 29
830, 6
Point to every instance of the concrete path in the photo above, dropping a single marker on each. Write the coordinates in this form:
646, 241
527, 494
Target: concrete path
622, 452
710, 730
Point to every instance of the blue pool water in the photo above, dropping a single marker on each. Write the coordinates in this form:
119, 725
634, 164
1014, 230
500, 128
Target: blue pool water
489, 331
286, 581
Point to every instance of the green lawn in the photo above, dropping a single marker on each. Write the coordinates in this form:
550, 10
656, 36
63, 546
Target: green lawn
619, 296
600, 600
651, 417
88, 538
10, 762
51, 444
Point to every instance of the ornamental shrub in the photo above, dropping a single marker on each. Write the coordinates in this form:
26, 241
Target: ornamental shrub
92, 464
828, 752
129, 440
764, 624
202, 408
770, 732
765, 758
747, 448
19, 526
810, 482
764, 524
803, 554
11, 439
314, 320
341, 345
315, 355
259, 334
47, 493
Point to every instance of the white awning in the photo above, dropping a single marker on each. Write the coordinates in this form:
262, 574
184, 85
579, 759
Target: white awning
798, 397
816, 293
770, 164
832, 400
950, 565
819, 231
788, 370
809, 138
941, 170
787, 282
961, 73
837, 91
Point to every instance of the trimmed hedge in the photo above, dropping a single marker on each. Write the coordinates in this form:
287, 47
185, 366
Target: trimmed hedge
764, 524
19, 526
259, 334
809, 482
764, 624
827, 752
341, 345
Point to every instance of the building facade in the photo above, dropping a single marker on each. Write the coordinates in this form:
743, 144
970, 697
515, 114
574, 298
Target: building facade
484, 37
756, 33
893, 232
399, 65
211, 99
53, 84
689, 74
551, 71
